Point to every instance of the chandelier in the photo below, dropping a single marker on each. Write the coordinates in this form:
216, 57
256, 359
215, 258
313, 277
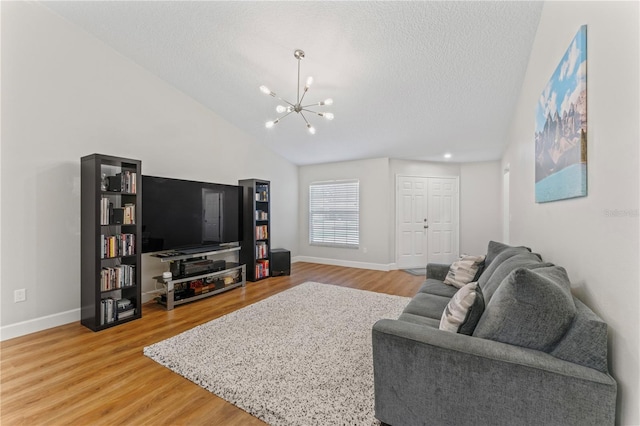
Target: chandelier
297, 107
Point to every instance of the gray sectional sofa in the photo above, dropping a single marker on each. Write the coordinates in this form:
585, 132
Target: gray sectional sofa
537, 356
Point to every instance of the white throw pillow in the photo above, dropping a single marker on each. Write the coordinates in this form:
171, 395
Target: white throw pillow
462, 313
463, 270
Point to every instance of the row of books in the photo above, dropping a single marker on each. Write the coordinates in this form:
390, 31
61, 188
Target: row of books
262, 232
262, 193
112, 310
110, 215
260, 215
117, 277
262, 250
262, 268
117, 245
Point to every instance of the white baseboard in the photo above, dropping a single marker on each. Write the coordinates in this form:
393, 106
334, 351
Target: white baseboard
347, 263
38, 324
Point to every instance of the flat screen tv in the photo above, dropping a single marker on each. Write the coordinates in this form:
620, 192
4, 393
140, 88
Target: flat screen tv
189, 216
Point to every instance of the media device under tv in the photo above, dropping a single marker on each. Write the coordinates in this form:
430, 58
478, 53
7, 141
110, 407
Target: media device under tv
189, 216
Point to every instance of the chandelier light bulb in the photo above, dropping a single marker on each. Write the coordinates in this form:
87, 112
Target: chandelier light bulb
265, 90
328, 115
327, 102
269, 124
280, 109
312, 129
309, 81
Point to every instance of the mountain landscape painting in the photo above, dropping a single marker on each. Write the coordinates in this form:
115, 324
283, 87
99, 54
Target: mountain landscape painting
561, 127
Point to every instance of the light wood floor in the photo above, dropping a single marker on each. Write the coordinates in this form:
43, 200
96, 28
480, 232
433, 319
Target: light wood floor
70, 375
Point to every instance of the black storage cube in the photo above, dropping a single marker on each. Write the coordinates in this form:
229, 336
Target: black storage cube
280, 262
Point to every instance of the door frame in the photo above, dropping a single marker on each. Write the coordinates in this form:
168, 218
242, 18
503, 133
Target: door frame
398, 176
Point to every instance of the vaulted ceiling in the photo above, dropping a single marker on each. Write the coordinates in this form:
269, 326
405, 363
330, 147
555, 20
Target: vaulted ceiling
410, 80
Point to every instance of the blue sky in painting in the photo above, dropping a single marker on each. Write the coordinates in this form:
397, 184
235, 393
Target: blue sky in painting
567, 81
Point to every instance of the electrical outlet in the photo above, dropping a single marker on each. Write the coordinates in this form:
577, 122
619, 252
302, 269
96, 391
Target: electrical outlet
20, 295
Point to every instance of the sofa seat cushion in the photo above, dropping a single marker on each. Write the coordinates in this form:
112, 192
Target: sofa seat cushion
420, 320
427, 305
585, 342
532, 308
463, 311
438, 288
464, 270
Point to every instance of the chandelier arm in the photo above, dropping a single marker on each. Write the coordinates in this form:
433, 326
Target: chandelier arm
303, 93
286, 101
305, 119
277, 120
308, 110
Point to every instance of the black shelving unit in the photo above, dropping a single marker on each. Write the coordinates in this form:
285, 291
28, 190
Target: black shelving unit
111, 234
255, 253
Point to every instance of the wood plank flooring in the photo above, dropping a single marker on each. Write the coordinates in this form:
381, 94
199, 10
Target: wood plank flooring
70, 375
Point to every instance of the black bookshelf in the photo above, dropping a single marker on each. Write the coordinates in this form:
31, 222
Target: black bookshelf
111, 235
255, 253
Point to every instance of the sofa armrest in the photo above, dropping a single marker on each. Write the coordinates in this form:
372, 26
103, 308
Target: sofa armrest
423, 375
437, 271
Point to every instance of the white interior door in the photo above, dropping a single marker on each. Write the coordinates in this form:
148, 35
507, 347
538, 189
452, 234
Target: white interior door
443, 215
427, 221
412, 216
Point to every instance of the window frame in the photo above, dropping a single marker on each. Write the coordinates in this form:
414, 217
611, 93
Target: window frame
319, 232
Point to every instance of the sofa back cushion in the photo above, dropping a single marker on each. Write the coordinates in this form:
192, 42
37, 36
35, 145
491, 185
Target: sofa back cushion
502, 269
585, 342
495, 248
532, 308
490, 268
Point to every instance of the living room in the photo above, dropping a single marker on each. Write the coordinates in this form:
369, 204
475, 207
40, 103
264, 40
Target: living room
66, 94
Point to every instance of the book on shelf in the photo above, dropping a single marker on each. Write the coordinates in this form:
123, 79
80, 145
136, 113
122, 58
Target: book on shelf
260, 215
262, 193
262, 232
262, 268
117, 277
110, 215
117, 245
108, 311
262, 250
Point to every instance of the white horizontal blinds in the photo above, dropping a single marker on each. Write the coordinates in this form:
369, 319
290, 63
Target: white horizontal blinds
334, 213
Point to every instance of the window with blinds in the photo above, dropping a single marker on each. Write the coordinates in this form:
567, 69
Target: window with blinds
334, 213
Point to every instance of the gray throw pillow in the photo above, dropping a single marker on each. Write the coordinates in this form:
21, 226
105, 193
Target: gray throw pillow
463, 310
530, 308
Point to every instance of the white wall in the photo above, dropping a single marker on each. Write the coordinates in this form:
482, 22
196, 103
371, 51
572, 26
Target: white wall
480, 206
600, 250
65, 95
374, 249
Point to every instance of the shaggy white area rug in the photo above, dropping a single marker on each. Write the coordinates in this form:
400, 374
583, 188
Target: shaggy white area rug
300, 357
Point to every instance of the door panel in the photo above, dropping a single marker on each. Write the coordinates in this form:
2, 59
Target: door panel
412, 209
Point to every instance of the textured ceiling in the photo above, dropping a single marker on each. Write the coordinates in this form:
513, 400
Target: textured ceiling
410, 80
